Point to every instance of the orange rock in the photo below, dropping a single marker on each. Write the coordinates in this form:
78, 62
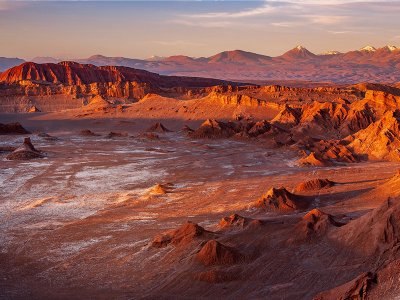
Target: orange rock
215, 253
314, 184
181, 236
282, 200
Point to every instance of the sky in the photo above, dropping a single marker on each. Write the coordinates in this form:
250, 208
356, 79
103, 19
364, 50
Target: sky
141, 29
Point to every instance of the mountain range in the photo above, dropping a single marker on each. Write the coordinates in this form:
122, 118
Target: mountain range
366, 64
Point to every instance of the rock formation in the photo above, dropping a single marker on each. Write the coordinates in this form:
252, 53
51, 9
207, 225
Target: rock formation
380, 140
33, 109
259, 128
158, 127
12, 128
375, 232
316, 223
78, 80
161, 189
214, 129
314, 184
215, 253
282, 200
237, 221
181, 236
25, 152
313, 160
358, 288
87, 132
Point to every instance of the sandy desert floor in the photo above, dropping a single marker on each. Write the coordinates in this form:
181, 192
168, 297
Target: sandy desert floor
81, 220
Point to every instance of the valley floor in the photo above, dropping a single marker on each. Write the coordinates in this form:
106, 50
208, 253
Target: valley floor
79, 222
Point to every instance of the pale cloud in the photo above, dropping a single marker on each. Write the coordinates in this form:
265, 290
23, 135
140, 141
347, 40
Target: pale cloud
284, 24
326, 20
266, 8
341, 32
202, 23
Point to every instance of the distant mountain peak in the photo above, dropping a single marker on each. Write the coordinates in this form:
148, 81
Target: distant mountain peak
299, 52
238, 56
97, 56
368, 48
391, 48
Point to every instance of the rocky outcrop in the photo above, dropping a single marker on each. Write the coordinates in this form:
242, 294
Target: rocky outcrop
158, 127
211, 129
33, 109
374, 233
185, 234
215, 253
316, 223
161, 189
25, 152
380, 140
259, 128
113, 134
236, 221
281, 200
237, 99
324, 119
314, 185
313, 160
382, 100
87, 132
12, 128
358, 289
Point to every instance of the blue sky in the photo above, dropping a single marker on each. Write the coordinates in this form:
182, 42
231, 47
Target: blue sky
78, 29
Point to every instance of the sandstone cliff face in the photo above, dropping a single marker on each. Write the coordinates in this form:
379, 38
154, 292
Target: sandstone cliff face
126, 90
72, 73
70, 78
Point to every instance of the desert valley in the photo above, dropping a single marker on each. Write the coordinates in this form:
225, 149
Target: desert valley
121, 183
142, 157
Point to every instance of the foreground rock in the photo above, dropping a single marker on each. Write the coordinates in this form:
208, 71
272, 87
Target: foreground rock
282, 200
12, 128
374, 233
316, 223
184, 235
358, 288
215, 253
25, 152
